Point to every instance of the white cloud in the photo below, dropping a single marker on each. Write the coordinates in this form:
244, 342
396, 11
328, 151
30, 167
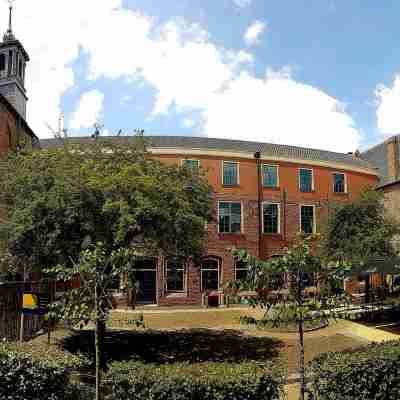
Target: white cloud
89, 110
242, 3
253, 33
388, 116
188, 122
189, 73
279, 109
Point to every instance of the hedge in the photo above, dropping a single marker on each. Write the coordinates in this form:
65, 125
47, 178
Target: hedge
371, 372
206, 381
21, 378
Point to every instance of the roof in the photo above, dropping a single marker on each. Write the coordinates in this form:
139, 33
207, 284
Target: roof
25, 125
267, 150
377, 155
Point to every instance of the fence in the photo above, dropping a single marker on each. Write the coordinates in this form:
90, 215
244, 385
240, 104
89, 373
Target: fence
11, 294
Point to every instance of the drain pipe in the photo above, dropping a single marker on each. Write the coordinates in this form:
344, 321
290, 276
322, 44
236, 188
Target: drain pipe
257, 156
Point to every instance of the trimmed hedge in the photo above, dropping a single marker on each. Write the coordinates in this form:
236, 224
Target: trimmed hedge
371, 372
24, 379
207, 381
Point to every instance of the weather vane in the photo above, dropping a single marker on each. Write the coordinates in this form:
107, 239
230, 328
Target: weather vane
10, 3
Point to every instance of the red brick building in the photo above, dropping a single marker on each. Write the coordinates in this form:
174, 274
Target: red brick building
264, 194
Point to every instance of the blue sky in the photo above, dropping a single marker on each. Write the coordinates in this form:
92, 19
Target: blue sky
316, 73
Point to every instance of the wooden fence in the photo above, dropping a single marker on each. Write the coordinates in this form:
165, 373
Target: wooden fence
11, 310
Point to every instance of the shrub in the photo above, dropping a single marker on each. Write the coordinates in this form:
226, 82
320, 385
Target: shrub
21, 378
206, 381
371, 372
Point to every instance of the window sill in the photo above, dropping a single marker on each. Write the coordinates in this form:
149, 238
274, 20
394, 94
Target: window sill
231, 186
273, 235
340, 193
176, 294
272, 188
231, 235
307, 191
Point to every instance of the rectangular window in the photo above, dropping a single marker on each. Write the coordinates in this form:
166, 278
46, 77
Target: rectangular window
307, 219
339, 183
175, 276
230, 175
270, 176
210, 274
241, 270
230, 217
271, 217
2, 62
306, 180
195, 164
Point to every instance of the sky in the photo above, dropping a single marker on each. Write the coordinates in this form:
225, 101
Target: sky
314, 73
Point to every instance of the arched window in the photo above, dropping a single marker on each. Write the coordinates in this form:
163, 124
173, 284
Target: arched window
210, 274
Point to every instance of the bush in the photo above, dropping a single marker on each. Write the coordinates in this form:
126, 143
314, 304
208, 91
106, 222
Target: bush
24, 379
206, 381
371, 372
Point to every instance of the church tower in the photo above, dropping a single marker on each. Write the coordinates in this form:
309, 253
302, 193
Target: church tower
13, 59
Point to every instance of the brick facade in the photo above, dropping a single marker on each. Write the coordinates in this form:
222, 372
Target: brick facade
287, 195
14, 131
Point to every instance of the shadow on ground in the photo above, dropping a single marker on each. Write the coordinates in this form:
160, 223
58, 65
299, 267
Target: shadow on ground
189, 345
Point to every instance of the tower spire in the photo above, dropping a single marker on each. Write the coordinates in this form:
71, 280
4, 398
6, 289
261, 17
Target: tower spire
9, 34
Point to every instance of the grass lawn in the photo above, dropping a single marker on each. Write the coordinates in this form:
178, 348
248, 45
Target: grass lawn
175, 337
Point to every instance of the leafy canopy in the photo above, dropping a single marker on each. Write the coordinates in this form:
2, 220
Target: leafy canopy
60, 201
359, 231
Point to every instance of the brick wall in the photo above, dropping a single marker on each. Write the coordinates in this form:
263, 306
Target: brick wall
246, 192
12, 129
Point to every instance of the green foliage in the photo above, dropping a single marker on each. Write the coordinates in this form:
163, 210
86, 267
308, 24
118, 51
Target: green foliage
22, 378
209, 381
59, 201
371, 372
358, 231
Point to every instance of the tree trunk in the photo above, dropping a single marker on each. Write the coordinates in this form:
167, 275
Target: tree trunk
97, 344
301, 360
101, 343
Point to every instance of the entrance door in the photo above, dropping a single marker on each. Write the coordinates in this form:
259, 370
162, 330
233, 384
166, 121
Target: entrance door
146, 276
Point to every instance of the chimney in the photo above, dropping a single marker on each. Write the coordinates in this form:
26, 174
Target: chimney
392, 153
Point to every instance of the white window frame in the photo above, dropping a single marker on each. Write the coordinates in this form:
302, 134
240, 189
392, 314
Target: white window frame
241, 217
190, 159
314, 221
238, 172
345, 182
184, 269
312, 179
277, 176
218, 270
235, 260
279, 217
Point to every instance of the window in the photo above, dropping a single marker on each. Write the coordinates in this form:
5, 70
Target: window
270, 176
175, 276
271, 217
339, 183
307, 219
2, 62
230, 217
241, 270
195, 164
210, 274
306, 180
230, 175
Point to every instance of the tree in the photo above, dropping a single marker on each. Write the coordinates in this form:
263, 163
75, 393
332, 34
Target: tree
359, 231
281, 286
89, 210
